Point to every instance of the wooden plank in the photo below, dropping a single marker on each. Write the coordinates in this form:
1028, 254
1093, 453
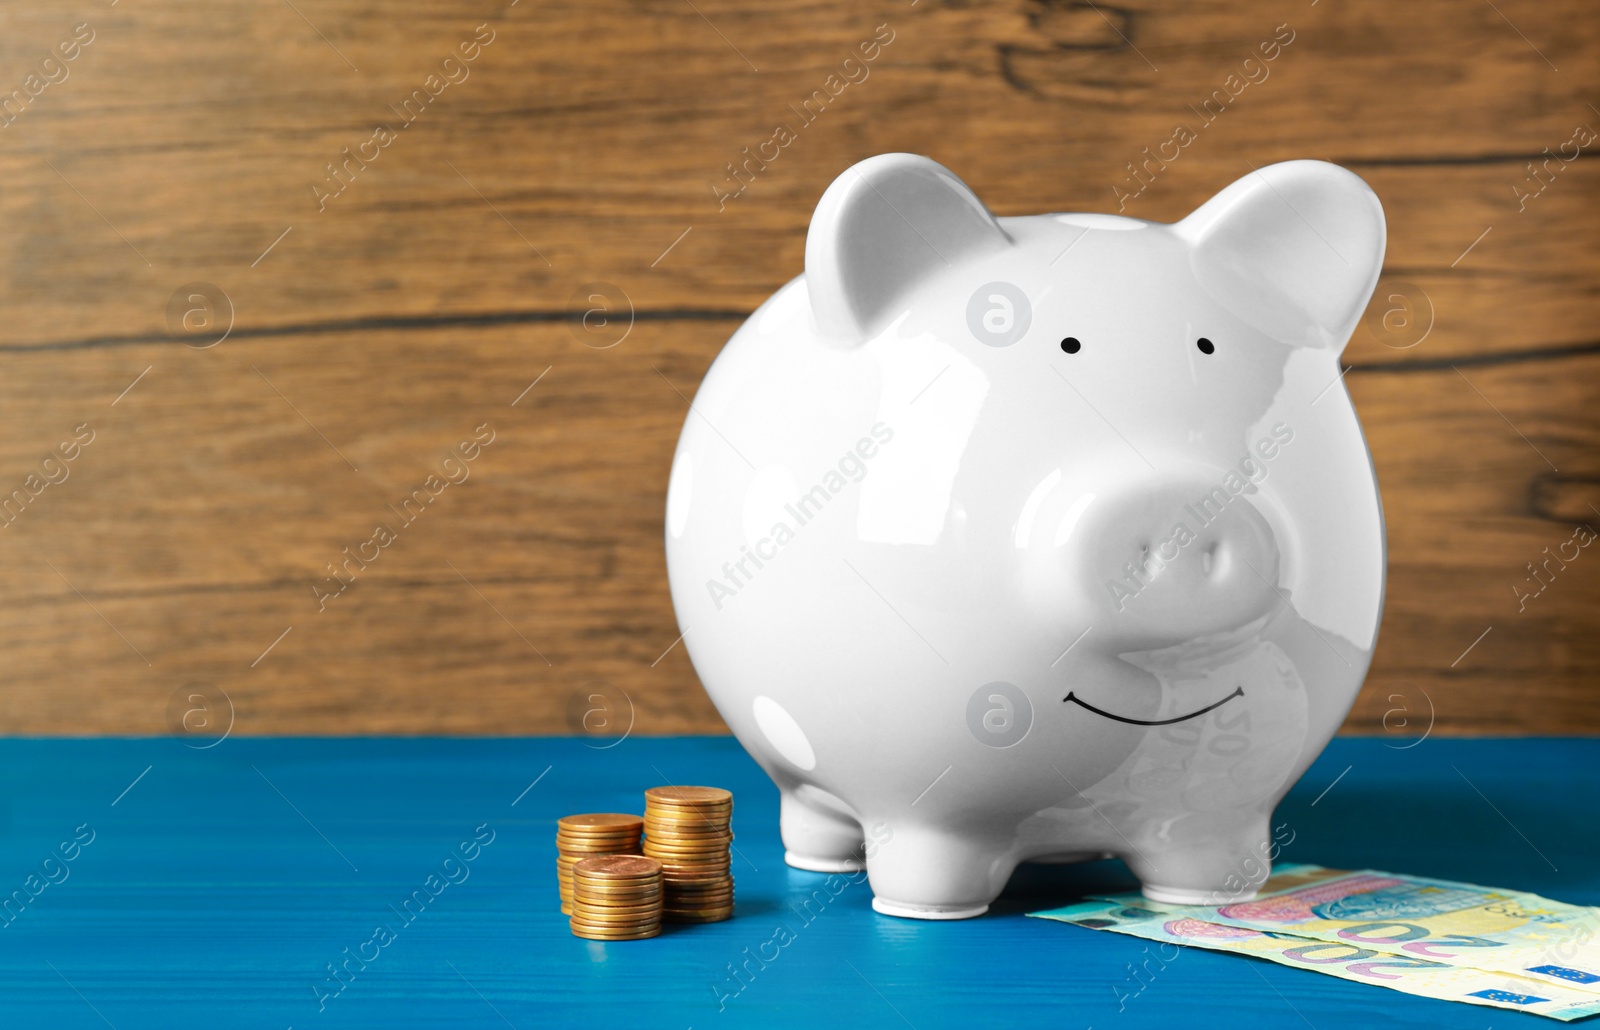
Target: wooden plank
373, 331
239, 907
587, 138
216, 491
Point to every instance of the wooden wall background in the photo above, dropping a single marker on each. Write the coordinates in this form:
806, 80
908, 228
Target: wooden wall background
368, 338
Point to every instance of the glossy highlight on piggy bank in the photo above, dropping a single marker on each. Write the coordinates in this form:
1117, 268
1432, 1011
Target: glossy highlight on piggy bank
1038, 539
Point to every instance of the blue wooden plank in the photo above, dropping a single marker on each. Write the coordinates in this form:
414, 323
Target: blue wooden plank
220, 884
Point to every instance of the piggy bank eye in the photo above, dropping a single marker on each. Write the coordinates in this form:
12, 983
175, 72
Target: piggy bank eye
1071, 345
1205, 345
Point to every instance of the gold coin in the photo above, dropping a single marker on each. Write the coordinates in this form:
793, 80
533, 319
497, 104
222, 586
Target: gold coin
582, 883
715, 916
689, 876
605, 935
688, 822
599, 821
584, 915
682, 872
692, 796
604, 884
651, 915
667, 856
640, 912
705, 888
710, 889
598, 917
687, 840
694, 905
720, 839
568, 859
586, 849
616, 905
591, 898
617, 867
685, 814
614, 887
654, 809
611, 929
691, 888
690, 834
611, 890
589, 935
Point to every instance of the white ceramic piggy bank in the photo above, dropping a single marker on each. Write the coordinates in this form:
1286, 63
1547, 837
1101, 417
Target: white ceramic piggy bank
1041, 538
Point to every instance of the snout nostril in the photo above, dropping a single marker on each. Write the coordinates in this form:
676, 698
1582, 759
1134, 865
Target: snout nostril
1220, 558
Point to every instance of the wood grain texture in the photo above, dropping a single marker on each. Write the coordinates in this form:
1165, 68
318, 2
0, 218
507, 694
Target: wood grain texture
373, 331
245, 870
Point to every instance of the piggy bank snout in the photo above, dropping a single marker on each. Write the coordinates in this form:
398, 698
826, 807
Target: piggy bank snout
1180, 559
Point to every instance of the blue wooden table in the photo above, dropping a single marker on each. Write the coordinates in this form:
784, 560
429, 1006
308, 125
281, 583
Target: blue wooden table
172, 886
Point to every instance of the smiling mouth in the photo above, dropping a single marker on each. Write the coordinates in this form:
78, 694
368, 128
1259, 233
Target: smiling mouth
1075, 699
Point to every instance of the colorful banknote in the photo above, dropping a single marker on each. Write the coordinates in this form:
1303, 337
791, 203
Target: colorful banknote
1410, 974
1504, 931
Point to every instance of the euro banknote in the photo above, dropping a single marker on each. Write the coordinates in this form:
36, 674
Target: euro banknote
1410, 974
1504, 931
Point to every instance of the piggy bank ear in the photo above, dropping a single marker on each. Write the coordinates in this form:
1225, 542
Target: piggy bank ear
882, 227
1293, 248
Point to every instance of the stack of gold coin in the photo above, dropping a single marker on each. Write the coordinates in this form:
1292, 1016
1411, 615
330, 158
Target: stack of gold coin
687, 831
616, 898
587, 836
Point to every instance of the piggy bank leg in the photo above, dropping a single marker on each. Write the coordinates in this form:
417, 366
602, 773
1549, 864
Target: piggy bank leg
1216, 859
817, 838
921, 872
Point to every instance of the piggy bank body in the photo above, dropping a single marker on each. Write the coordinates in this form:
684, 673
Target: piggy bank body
1038, 538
